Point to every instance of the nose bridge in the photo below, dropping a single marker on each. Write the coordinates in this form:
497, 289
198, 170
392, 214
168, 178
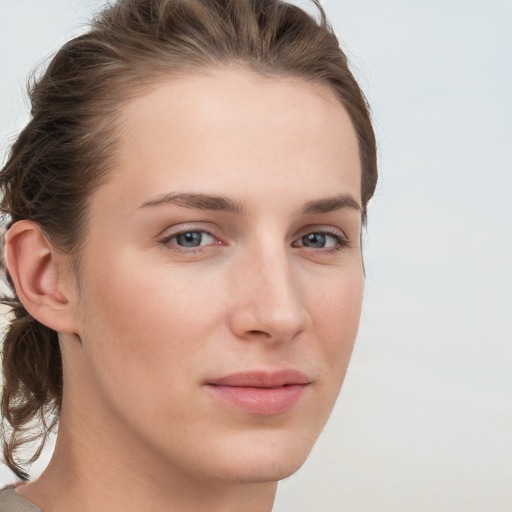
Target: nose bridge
270, 299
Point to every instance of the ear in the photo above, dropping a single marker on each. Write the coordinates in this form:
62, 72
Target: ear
41, 275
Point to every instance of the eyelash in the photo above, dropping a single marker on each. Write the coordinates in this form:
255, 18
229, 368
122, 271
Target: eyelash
166, 241
341, 241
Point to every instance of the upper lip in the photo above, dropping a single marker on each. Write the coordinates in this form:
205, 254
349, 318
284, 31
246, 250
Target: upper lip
262, 379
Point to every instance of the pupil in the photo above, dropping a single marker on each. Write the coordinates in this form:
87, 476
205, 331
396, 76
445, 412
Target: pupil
189, 239
314, 240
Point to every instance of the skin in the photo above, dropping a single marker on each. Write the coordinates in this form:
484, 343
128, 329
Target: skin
148, 321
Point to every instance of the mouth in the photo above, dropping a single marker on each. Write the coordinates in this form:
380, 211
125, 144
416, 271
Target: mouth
261, 393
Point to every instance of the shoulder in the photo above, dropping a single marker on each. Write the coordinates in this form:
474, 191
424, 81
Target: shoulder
11, 501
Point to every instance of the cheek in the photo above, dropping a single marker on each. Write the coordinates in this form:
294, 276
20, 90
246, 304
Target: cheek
145, 319
142, 349
337, 312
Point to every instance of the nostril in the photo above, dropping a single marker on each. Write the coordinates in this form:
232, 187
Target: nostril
259, 333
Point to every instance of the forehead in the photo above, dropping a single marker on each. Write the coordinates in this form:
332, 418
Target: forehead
228, 128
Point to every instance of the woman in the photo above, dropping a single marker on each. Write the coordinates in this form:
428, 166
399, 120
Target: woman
185, 209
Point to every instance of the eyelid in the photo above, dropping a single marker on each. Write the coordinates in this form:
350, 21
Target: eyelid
339, 235
342, 240
319, 228
181, 229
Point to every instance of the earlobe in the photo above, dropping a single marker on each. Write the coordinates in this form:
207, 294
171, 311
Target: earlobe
36, 270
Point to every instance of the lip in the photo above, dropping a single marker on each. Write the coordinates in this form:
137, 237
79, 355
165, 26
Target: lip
260, 392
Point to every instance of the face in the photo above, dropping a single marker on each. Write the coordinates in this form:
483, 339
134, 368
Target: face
221, 277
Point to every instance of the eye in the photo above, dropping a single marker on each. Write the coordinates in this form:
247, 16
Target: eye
190, 239
321, 240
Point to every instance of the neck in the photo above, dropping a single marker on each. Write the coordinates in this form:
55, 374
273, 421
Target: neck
94, 468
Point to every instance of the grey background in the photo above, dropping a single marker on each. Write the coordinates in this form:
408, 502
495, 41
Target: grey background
424, 421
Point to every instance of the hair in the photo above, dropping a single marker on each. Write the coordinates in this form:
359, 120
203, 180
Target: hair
67, 148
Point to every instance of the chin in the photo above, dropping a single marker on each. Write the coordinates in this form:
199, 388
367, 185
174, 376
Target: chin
261, 471
265, 459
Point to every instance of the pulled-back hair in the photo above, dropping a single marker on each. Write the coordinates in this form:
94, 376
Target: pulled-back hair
65, 151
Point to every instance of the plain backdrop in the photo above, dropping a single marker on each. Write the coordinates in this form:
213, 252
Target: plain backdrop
424, 421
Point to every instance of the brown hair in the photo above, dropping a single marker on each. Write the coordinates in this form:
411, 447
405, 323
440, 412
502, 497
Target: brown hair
64, 152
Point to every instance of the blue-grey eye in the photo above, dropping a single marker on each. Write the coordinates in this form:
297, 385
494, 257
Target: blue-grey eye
318, 241
191, 239
315, 240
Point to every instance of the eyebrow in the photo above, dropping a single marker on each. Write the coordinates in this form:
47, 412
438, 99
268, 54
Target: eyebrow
330, 204
197, 201
226, 204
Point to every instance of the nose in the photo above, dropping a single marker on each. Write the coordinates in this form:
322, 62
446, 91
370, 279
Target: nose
269, 301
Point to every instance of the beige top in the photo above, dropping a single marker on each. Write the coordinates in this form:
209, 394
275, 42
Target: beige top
11, 501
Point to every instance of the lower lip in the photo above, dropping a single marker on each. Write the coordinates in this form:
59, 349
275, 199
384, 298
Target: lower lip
262, 401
